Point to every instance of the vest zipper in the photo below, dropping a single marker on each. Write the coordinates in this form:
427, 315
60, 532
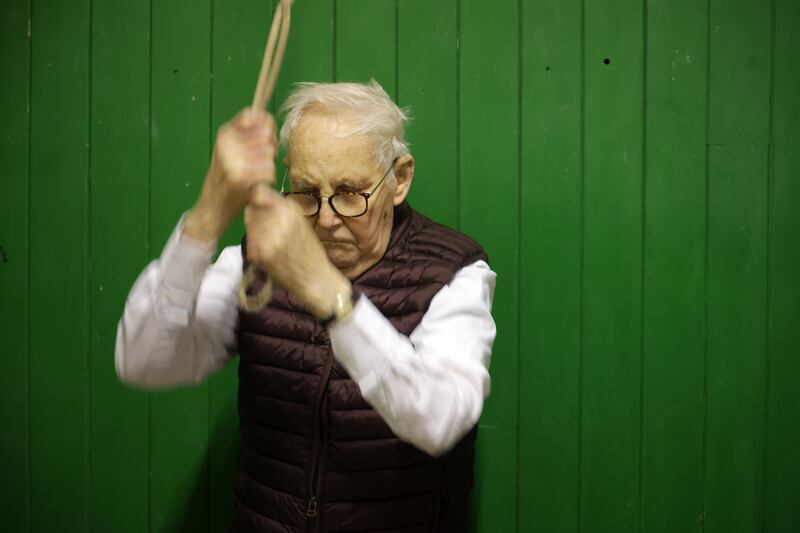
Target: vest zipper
315, 473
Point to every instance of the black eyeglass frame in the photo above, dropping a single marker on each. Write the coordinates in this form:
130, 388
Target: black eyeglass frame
319, 197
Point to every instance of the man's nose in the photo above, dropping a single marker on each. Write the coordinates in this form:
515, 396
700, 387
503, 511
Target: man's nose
328, 218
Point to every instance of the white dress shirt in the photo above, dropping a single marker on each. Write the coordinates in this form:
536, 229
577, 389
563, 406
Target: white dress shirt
179, 326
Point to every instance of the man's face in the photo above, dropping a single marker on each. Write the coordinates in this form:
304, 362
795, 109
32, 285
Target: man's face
324, 159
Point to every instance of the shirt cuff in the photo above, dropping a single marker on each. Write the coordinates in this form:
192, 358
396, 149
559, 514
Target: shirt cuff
359, 341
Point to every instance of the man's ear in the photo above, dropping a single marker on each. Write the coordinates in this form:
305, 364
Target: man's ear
404, 175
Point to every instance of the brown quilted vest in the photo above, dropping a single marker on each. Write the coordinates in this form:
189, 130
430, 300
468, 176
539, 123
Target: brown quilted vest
315, 456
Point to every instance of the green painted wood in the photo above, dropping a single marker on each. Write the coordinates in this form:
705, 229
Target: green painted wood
58, 266
739, 72
119, 243
366, 37
674, 268
428, 86
488, 211
582, 422
612, 296
494, 495
736, 294
489, 176
739, 84
14, 250
240, 29
180, 152
550, 202
782, 468
309, 52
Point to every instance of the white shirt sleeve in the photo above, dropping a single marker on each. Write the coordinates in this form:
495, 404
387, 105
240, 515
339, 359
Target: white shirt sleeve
179, 326
179, 321
428, 387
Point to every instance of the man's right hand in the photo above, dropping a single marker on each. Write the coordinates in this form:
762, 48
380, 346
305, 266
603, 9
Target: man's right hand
244, 157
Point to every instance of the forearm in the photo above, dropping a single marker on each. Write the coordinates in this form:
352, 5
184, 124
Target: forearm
429, 392
214, 211
154, 340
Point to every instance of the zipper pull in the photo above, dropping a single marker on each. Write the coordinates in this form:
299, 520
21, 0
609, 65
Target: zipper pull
312, 507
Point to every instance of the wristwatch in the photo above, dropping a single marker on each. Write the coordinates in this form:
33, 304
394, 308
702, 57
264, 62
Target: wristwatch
342, 307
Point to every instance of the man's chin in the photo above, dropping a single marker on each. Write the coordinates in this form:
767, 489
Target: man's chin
340, 257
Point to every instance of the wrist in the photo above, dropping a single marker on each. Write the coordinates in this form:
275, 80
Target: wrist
205, 223
330, 296
343, 308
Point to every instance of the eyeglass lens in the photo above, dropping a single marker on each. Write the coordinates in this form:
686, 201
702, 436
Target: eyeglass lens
345, 204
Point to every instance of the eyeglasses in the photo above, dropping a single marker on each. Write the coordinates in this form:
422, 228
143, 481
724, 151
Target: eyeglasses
346, 203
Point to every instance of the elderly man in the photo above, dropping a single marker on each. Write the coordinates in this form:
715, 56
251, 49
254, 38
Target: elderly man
361, 383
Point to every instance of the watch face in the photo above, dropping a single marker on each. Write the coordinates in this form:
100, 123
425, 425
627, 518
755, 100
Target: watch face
342, 307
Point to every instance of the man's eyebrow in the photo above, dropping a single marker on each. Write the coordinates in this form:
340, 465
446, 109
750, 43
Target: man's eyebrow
350, 182
300, 183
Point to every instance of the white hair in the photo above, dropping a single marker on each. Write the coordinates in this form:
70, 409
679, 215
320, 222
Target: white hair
378, 117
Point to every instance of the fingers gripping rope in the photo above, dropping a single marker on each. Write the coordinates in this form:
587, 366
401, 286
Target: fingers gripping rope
271, 65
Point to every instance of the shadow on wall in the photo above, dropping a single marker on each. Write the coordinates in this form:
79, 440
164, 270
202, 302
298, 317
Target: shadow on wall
208, 506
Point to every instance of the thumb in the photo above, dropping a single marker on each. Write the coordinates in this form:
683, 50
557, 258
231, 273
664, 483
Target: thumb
249, 116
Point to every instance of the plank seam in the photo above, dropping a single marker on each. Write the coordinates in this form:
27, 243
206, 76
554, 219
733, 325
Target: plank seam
28, 281
87, 281
643, 232
520, 89
458, 114
704, 444
334, 8
148, 396
210, 389
768, 284
582, 268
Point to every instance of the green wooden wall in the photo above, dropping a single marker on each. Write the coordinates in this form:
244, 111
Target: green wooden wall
630, 166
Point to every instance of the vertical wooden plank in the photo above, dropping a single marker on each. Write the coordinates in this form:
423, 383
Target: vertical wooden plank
309, 52
674, 268
488, 210
495, 493
119, 245
739, 82
58, 266
179, 130
366, 40
737, 284
782, 476
14, 248
240, 29
739, 52
612, 267
550, 188
428, 85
